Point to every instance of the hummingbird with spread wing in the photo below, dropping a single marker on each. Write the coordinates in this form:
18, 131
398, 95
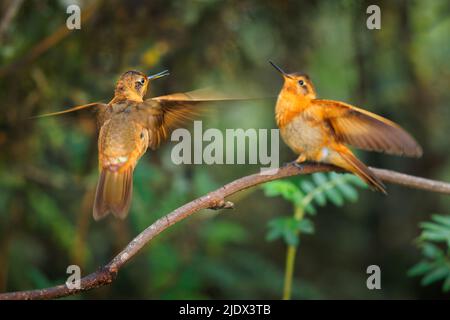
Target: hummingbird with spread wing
129, 124
319, 130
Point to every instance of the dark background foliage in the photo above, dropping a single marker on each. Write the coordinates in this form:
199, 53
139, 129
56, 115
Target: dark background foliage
48, 167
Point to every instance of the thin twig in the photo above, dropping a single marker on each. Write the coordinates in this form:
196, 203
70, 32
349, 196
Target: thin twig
215, 200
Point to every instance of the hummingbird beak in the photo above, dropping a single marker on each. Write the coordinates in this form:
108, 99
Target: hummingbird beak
158, 75
279, 69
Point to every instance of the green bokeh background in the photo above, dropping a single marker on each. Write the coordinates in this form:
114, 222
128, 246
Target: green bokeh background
48, 167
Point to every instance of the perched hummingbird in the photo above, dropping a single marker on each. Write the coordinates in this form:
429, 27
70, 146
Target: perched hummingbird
128, 126
318, 130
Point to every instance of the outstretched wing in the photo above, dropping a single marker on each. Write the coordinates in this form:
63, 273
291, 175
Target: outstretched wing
175, 110
84, 106
367, 130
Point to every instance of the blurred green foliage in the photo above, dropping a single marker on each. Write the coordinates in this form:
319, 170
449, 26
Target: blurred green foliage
48, 167
304, 196
434, 242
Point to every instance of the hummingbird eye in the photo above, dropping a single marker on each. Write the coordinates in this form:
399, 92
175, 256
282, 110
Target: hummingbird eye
139, 84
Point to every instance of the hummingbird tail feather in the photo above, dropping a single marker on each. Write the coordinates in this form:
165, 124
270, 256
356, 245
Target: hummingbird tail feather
113, 195
354, 165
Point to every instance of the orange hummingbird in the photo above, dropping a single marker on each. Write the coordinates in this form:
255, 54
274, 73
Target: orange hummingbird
318, 130
128, 126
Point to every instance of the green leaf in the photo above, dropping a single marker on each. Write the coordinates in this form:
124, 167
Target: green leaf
348, 191
307, 186
436, 267
310, 209
306, 226
431, 251
434, 236
320, 199
275, 231
273, 234
291, 239
445, 220
319, 178
288, 190
435, 227
355, 180
286, 228
297, 197
273, 188
435, 275
420, 268
438, 231
334, 197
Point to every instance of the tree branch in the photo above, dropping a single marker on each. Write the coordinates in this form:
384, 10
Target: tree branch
213, 200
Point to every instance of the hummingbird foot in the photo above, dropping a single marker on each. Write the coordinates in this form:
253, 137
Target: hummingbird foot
293, 163
299, 165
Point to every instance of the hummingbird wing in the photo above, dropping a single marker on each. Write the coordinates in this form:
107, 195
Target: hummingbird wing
366, 130
175, 110
76, 108
201, 95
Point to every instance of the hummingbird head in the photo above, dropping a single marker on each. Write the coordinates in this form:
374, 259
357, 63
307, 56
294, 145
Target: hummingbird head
297, 83
133, 85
